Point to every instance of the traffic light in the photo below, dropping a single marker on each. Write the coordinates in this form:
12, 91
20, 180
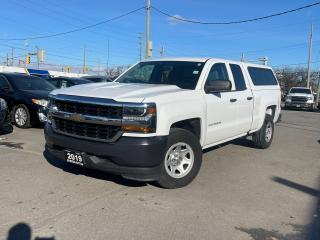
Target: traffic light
67, 69
28, 59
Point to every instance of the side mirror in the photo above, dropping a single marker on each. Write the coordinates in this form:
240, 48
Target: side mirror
218, 86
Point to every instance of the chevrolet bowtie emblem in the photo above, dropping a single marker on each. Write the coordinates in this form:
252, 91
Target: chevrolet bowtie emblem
75, 117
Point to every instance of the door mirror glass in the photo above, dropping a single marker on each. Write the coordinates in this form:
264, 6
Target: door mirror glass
218, 80
218, 86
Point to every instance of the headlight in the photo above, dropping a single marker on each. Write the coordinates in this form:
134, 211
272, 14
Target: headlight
51, 108
139, 118
3, 104
288, 98
40, 102
309, 98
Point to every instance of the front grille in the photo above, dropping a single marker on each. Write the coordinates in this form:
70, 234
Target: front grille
89, 109
299, 99
86, 130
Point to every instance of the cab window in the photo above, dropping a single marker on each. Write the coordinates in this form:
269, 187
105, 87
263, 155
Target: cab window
238, 77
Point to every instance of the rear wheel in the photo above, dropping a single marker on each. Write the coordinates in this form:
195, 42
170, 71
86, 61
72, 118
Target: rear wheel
263, 138
182, 160
21, 116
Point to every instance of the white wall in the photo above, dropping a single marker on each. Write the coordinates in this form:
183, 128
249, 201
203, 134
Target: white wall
12, 69
65, 74
52, 73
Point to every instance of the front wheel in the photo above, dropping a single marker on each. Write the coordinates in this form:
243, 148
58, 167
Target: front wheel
263, 138
182, 159
21, 116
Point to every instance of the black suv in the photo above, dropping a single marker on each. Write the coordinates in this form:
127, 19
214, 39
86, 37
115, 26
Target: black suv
64, 82
26, 96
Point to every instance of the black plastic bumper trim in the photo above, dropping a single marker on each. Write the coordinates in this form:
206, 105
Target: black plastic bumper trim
131, 157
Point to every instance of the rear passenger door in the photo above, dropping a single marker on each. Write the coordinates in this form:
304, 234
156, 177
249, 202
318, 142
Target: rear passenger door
244, 99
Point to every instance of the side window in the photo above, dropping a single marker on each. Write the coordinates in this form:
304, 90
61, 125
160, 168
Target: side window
69, 84
218, 72
3, 82
64, 84
58, 84
238, 77
54, 82
262, 76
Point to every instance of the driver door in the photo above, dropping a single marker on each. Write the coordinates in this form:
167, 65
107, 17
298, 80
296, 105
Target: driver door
5, 90
221, 107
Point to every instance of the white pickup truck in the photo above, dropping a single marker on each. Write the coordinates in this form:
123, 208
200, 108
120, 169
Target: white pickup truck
154, 120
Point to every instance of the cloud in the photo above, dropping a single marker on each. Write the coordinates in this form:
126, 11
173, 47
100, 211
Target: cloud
175, 19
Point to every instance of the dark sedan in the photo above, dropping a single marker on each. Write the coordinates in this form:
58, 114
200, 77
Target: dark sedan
64, 82
26, 96
5, 124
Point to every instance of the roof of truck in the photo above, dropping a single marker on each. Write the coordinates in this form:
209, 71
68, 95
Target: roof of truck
204, 59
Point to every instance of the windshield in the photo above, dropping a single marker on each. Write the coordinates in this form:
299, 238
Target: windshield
300, 90
182, 74
31, 83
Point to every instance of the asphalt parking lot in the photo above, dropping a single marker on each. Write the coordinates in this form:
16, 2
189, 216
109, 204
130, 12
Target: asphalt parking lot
240, 193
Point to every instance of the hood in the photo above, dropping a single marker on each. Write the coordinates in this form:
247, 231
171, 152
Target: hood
131, 92
37, 94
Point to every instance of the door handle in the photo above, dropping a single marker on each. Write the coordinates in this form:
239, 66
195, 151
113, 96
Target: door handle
233, 100
249, 98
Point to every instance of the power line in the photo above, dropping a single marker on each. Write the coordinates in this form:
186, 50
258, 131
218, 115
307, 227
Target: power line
74, 30
293, 64
238, 21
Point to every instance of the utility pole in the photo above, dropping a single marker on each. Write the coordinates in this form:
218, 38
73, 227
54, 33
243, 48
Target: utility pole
99, 66
242, 57
140, 46
84, 59
38, 57
310, 57
318, 90
108, 54
264, 60
12, 58
26, 44
148, 52
7, 60
162, 51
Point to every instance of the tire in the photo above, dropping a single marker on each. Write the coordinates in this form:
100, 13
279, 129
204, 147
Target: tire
263, 138
176, 173
21, 116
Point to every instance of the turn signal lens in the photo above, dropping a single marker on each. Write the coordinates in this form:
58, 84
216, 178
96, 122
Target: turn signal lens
133, 128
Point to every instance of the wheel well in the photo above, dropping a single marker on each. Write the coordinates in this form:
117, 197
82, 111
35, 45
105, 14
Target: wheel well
271, 110
193, 125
